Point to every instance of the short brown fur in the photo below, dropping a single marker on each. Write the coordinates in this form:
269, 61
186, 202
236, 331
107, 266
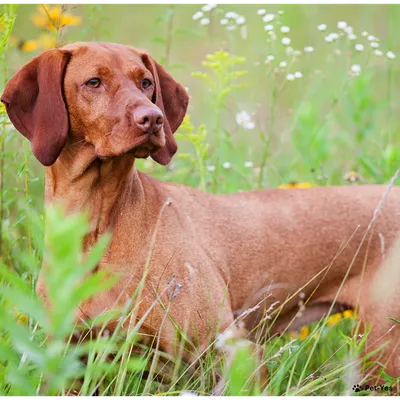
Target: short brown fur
214, 255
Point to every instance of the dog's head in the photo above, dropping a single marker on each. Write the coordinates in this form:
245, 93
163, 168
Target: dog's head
114, 97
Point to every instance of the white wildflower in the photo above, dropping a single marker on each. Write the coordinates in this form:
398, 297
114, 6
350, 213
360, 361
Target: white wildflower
248, 164
269, 27
289, 51
283, 64
348, 29
206, 8
272, 35
204, 21
224, 21
285, 29
231, 14
268, 17
308, 49
298, 75
243, 119
211, 168
390, 55
355, 68
226, 165
352, 36
322, 27
231, 27
374, 44
240, 20
331, 37
290, 77
271, 57
197, 15
342, 25
261, 11
286, 41
371, 38
378, 53
297, 53
364, 33
359, 47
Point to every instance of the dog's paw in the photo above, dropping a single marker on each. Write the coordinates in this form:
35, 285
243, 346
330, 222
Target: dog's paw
357, 388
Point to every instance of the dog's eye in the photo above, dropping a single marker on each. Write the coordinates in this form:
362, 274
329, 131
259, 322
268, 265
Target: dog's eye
146, 83
94, 82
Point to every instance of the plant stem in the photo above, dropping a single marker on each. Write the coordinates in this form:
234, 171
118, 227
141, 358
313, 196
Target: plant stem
201, 170
168, 43
217, 123
266, 139
2, 150
26, 181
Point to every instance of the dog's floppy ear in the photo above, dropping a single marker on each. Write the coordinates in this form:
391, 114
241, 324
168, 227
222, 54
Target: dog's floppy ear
172, 99
35, 104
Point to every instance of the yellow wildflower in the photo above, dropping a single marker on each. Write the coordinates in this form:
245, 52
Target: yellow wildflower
47, 41
349, 314
294, 185
304, 332
352, 176
301, 335
333, 319
21, 318
292, 335
69, 19
29, 45
44, 42
53, 17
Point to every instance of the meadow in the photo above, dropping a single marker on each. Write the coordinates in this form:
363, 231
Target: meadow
280, 96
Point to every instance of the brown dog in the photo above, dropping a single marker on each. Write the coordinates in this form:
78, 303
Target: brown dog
90, 109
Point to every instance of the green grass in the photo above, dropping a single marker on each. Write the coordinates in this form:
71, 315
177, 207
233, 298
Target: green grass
314, 129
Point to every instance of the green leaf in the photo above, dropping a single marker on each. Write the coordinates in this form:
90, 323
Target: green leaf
394, 320
159, 39
27, 304
22, 340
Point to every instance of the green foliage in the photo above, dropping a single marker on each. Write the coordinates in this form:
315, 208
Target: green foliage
7, 20
221, 82
241, 371
40, 360
199, 141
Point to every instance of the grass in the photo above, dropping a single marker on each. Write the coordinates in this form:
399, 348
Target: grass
253, 122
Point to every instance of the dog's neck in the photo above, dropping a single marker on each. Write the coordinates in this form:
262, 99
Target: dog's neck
81, 182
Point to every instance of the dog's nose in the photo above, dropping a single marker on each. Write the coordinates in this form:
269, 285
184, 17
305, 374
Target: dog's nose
149, 120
